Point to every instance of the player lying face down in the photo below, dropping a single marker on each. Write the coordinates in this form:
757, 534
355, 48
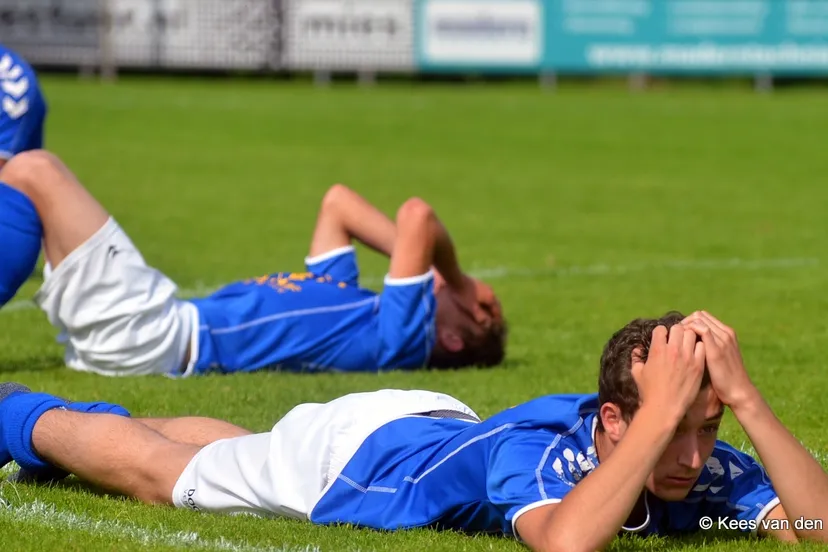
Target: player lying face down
560, 472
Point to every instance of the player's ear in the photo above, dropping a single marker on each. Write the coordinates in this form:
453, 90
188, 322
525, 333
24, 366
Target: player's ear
612, 421
451, 340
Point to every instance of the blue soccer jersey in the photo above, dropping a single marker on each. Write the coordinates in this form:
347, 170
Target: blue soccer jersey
319, 320
22, 106
482, 476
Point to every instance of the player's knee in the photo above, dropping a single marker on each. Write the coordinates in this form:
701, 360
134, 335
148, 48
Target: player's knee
29, 171
333, 197
154, 481
414, 209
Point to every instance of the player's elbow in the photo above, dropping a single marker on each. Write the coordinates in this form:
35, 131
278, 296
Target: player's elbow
572, 538
415, 212
564, 543
820, 536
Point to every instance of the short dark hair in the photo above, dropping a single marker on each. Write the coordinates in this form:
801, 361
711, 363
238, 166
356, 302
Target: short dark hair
615, 382
484, 351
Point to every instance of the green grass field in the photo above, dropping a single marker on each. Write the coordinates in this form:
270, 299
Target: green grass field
585, 208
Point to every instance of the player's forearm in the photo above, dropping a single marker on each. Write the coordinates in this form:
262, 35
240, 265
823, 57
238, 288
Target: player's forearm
445, 255
611, 491
362, 221
799, 480
423, 242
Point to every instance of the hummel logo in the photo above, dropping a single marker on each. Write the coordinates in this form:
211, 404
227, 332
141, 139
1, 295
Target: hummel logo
112, 251
15, 89
14, 109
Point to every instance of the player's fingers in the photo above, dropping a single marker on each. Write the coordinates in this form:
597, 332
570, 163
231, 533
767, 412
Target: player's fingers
659, 339
712, 345
676, 338
699, 355
700, 329
720, 336
637, 366
486, 296
688, 343
481, 316
717, 326
495, 310
689, 318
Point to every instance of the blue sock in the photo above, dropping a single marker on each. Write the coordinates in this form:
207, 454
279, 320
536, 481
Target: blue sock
21, 234
99, 408
54, 473
18, 415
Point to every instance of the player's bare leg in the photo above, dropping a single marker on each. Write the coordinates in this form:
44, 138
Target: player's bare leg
68, 212
115, 453
193, 430
119, 316
100, 443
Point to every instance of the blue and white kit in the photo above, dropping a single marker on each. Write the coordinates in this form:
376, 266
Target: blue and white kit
395, 459
22, 106
118, 316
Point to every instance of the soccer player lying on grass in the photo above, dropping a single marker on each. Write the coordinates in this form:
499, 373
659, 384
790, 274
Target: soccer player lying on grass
640, 456
22, 106
118, 316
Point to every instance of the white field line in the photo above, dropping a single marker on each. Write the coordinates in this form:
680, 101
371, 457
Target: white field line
603, 269
47, 516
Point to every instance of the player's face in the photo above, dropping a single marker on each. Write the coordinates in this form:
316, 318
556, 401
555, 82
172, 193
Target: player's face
681, 464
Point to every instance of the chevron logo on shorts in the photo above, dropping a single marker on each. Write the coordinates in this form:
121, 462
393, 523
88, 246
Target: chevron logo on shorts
15, 86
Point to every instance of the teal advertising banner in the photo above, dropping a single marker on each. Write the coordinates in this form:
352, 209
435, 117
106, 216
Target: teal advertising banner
687, 36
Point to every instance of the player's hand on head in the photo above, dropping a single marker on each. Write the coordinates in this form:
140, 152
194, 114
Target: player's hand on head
487, 300
728, 375
671, 377
467, 297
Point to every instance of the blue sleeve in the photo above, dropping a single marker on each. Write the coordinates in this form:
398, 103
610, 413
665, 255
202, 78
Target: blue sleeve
530, 470
340, 264
407, 309
22, 108
740, 487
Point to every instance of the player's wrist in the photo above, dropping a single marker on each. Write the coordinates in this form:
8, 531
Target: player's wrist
747, 404
660, 417
452, 277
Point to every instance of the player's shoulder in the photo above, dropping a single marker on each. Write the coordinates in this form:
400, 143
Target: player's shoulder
554, 435
18, 86
563, 406
724, 467
724, 452
13, 64
563, 414
729, 462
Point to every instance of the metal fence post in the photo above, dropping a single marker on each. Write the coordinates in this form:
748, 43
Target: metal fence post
108, 63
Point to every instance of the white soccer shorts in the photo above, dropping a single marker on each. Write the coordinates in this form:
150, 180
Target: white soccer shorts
116, 315
285, 472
